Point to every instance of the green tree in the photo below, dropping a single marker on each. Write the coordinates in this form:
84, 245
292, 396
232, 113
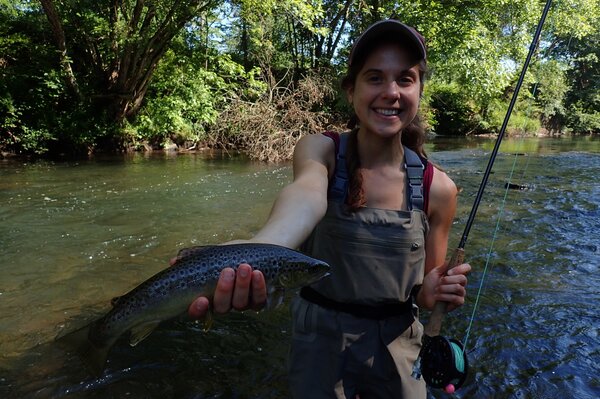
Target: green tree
575, 42
76, 75
31, 89
120, 43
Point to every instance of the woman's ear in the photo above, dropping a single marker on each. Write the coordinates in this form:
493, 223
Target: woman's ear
349, 94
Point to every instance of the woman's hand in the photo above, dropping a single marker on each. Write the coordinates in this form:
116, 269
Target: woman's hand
242, 289
444, 287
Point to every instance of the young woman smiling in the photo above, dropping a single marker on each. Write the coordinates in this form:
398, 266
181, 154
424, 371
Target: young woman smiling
370, 204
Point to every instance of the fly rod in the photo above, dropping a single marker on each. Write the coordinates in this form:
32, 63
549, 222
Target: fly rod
443, 362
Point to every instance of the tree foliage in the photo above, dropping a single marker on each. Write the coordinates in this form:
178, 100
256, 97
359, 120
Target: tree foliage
119, 43
80, 75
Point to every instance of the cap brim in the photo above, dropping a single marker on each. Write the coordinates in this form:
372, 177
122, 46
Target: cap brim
390, 29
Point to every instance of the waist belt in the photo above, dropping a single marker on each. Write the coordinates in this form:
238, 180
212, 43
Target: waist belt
378, 312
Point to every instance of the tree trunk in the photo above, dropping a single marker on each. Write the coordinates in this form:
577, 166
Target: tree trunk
134, 52
136, 62
59, 37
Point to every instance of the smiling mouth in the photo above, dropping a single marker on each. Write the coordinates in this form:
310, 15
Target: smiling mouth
387, 111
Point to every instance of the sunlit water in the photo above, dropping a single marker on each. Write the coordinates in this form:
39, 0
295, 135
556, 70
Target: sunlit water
73, 235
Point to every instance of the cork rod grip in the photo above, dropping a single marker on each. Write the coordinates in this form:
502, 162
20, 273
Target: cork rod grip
433, 327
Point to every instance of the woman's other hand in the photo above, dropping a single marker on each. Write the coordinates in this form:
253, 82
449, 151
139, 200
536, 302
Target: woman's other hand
444, 287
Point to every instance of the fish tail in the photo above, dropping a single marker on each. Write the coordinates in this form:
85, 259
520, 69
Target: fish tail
92, 355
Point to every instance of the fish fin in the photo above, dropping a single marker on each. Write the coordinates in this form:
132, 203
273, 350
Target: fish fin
141, 331
208, 320
275, 299
93, 357
192, 250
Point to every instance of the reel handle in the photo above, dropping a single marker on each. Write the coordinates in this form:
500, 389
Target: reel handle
433, 327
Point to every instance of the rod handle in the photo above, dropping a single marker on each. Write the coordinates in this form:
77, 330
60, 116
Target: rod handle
433, 327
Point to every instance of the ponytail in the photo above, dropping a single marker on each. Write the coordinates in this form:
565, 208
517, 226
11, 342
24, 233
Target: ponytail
356, 194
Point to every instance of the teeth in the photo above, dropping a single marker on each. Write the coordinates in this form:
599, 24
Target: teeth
387, 111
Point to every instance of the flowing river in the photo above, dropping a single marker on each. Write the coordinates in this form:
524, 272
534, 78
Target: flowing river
73, 235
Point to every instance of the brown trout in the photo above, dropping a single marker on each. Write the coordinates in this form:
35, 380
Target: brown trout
169, 293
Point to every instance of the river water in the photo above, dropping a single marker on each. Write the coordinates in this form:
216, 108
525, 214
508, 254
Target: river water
73, 235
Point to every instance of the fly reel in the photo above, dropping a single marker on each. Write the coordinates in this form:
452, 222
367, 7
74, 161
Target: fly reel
443, 363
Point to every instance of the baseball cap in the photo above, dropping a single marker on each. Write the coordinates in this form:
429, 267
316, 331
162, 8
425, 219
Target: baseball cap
389, 29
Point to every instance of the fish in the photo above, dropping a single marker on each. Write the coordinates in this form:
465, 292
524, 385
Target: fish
169, 293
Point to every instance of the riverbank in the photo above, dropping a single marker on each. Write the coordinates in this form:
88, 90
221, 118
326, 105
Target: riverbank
262, 150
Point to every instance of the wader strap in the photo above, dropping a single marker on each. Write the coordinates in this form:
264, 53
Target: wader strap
339, 186
414, 171
378, 312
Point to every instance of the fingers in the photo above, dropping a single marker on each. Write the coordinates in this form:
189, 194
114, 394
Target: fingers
452, 286
241, 293
463, 269
198, 308
224, 291
250, 289
453, 293
240, 289
259, 290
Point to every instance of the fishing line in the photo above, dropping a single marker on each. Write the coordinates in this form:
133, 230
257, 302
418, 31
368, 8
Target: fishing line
486, 268
508, 185
497, 228
489, 255
440, 359
501, 211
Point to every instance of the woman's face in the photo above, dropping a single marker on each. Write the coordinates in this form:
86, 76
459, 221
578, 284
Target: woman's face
386, 92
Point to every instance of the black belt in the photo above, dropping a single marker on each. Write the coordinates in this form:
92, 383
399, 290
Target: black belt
378, 312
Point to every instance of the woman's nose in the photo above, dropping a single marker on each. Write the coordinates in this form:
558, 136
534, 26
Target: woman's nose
392, 90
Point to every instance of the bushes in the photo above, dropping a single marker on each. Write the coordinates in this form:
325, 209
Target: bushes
37, 114
269, 128
179, 108
523, 120
582, 121
185, 99
451, 111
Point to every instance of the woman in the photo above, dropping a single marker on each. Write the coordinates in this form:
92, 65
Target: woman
369, 204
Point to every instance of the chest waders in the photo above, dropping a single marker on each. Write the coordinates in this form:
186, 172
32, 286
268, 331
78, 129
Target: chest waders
377, 255
363, 311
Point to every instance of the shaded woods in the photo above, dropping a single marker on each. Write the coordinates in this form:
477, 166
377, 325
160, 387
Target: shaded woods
83, 76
